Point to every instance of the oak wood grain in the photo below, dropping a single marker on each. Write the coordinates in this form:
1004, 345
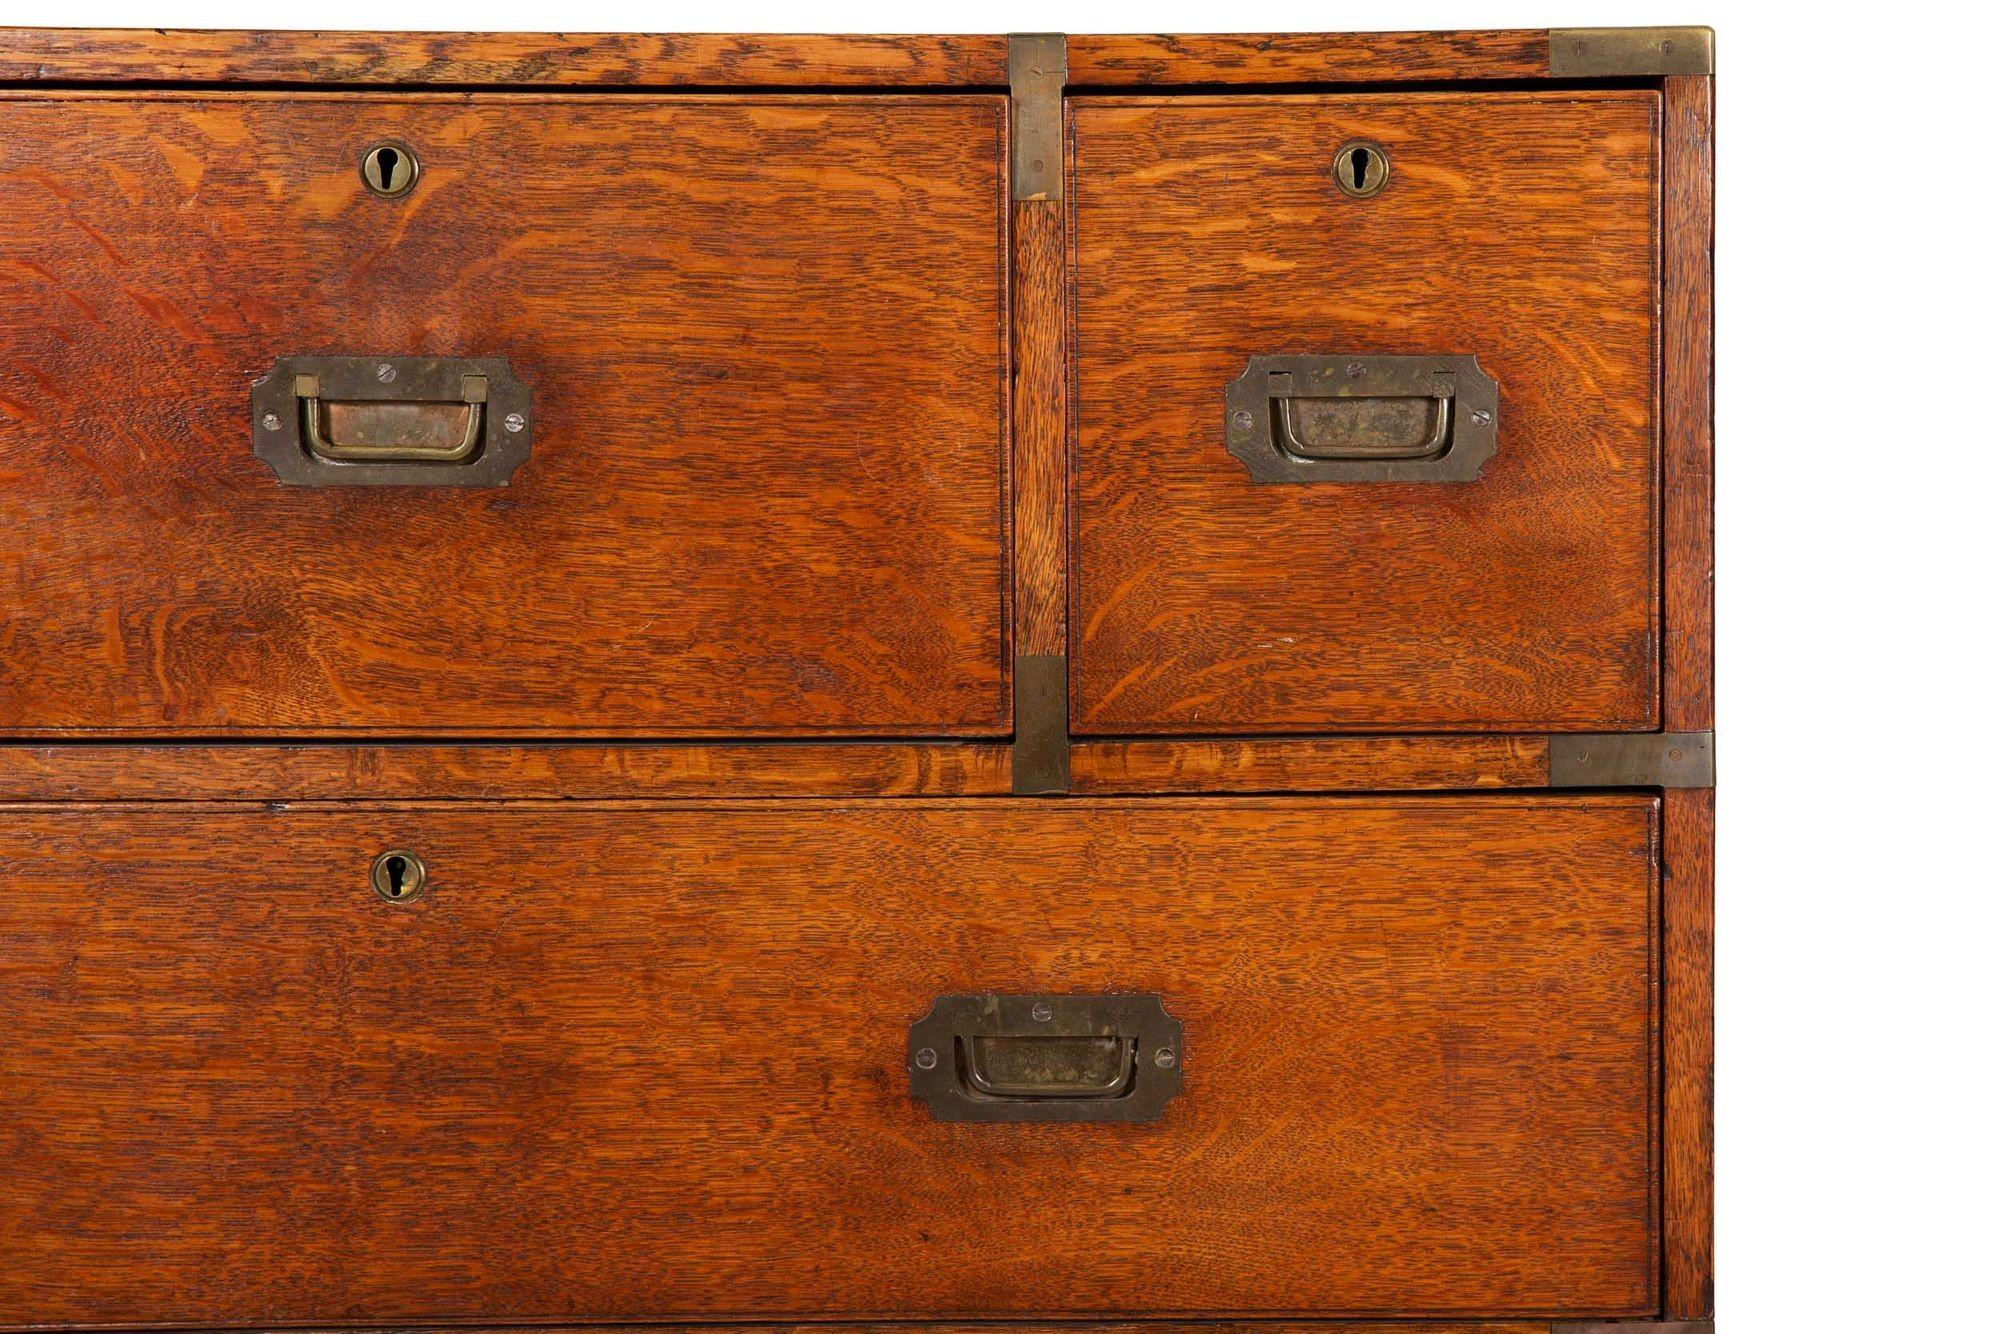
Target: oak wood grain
1519, 227
612, 60
1687, 390
1018, 1327
645, 1061
500, 771
643, 60
766, 341
1023, 1327
1688, 447
1688, 1053
1041, 443
1155, 59
497, 771
1315, 764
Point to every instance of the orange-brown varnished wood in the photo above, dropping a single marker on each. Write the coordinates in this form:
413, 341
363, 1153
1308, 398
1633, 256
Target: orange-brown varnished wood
641, 1061
633, 770
498, 771
766, 339
1141, 60
1023, 1327
1688, 399
1688, 1052
1688, 914
1041, 448
1518, 227
616, 60
1316, 764
643, 60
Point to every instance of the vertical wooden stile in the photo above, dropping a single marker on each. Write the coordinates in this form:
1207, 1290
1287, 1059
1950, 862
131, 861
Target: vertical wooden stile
1036, 66
1688, 448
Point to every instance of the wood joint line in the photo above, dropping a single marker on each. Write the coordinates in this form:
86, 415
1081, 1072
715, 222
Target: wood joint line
1037, 69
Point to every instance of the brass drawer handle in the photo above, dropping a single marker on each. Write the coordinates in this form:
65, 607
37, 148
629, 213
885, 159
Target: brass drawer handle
1363, 419
391, 421
1046, 1058
1051, 1067
1363, 428
393, 432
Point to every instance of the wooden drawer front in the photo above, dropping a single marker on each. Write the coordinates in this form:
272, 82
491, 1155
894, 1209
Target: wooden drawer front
645, 1060
1517, 228
765, 341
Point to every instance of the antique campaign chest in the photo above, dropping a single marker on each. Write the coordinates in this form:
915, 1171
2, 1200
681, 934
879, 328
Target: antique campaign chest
768, 679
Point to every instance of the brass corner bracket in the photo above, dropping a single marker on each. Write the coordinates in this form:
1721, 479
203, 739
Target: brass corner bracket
1609, 53
1037, 69
1632, 759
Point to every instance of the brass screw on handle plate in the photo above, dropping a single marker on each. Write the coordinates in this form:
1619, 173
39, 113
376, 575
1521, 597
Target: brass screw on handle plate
390, 168
1361, 169
398, 876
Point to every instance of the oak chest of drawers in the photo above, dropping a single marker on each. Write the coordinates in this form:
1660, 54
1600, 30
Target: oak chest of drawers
745, 680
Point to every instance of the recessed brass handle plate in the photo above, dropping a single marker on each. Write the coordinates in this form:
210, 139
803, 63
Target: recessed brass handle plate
1362, 418
1046, 1058
391, 421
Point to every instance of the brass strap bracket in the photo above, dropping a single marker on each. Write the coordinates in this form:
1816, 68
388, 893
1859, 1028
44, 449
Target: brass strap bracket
1632, 759
1041, 724
1630, 53
1037, 68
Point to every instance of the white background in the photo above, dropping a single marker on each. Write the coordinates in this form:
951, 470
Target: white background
1857, 476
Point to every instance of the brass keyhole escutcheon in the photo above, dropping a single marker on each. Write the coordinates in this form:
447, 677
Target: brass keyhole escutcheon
397, 875
390, 169
1361, 169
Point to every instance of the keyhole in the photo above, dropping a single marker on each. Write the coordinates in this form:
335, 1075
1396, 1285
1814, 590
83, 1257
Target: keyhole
389, 169
1360, 169
398, 876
